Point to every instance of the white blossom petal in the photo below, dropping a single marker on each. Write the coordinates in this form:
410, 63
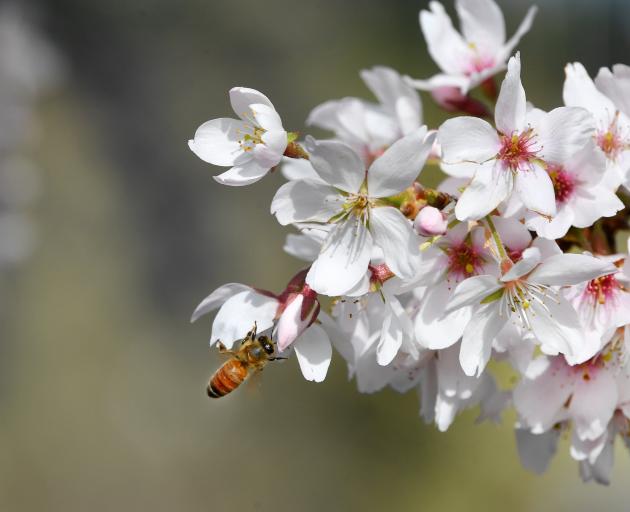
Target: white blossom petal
400, 244
314, 352
217, 298
302, 201
511, 106
400, 165
217, 141
241, 175
343, 260
563, 133
446, 46
238, 314
567, 269
336, 163
537, 450
482, 23
484, 325
535, 189
472, 291
490, 186
593, 403
242, 98
467, 139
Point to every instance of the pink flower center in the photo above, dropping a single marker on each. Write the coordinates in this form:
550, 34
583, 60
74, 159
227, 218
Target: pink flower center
463, 260
603, 288
612, 141
563, 183
518, 150
515, 254
478, 64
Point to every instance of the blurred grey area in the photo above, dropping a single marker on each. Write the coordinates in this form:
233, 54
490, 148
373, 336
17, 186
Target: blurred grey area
102, 403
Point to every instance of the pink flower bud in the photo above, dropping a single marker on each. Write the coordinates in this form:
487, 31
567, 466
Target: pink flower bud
300, 311
430, 222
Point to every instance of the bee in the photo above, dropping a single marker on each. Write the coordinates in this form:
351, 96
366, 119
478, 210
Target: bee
252, 355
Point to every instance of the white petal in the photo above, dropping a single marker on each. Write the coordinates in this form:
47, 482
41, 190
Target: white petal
616, 85
467, 139
600, 471
302, 246
442, 80
301, 201
472, 291
537, 450
238, 314
396, 94
216, 298
269, 154
390, 340
563, 133
241, 175
299, 169
580, 91
539, 401
400, 165
343, 260
554, 228
446, 46
336, 163
514, 234
535, 189
593, 403
217, 141
510, 111
434, 328
267, 117
394, 234
484, 325
489, 187
482, 23
557, 327
530, 258
566, 269
604, 203
314, 352
242, 98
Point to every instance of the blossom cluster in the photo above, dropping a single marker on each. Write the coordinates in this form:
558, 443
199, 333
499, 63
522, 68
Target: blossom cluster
518, 258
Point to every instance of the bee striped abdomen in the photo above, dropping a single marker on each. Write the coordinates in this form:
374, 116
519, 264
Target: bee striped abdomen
227, 378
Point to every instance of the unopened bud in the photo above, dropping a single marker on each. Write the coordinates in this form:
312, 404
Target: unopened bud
430, 222
301, 310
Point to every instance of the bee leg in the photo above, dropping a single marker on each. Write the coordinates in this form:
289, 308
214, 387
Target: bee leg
277, 358
223, 349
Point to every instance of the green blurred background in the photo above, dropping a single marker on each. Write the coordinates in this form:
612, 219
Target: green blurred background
102, 402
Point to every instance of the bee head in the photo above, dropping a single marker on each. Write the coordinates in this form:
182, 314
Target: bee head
266, 344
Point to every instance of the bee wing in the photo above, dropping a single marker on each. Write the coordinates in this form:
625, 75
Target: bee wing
253, 384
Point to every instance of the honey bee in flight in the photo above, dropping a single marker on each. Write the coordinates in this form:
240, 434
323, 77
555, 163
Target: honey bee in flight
254, 352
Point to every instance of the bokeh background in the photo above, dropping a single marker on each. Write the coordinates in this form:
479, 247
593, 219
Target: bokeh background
102, 401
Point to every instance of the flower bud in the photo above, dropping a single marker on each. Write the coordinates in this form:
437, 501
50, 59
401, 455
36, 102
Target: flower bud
300, 311
430, 222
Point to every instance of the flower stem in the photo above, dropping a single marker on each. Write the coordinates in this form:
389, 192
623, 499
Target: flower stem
497, 240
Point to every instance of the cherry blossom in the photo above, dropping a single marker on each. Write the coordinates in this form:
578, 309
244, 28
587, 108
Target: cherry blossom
352, 201
250, 145
514, 158
478, 53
